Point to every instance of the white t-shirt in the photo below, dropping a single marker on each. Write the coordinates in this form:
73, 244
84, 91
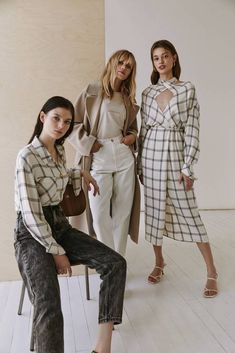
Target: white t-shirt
112, 117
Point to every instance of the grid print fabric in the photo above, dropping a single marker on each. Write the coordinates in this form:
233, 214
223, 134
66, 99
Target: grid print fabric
39, 181
169, 145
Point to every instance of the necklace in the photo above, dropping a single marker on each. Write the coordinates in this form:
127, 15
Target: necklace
55, 156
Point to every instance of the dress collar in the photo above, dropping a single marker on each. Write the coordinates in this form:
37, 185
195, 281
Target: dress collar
171, 81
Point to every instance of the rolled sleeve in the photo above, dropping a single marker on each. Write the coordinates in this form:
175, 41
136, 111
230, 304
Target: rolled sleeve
191, 136
75, 179
28, 199
55, 249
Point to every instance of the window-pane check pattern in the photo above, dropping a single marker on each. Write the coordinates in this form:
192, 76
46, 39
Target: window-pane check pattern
39, 181
169, 145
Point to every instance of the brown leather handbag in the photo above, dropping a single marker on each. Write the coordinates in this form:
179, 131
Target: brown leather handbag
71, 204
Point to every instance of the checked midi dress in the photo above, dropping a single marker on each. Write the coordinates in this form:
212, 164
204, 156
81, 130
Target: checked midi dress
169, 145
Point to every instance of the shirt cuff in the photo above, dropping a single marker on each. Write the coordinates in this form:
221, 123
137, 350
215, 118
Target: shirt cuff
55, 249
188, 171
76, 180
132, 132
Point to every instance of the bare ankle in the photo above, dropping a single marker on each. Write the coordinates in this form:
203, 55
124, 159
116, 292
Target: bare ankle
212, 273
159, 262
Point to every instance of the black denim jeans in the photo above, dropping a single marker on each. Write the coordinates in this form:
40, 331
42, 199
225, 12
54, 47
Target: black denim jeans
38, 271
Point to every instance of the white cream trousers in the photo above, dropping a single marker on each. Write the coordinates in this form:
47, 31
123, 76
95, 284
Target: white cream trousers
113, 169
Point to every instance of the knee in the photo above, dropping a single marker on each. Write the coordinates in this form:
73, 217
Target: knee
121, 263
120, 271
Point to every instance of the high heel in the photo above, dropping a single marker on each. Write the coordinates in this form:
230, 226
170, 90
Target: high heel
209, 290
156, 279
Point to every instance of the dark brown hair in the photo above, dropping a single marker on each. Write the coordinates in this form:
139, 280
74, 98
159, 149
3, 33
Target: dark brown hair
53, 103
176, 70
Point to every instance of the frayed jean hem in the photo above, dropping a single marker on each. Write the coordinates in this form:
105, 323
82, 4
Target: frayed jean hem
114, 319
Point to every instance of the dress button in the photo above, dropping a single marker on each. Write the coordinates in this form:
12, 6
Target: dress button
111, 140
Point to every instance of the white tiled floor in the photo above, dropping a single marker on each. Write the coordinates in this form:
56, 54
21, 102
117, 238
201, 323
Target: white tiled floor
171, 317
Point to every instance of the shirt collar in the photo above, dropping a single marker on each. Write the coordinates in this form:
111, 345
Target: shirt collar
43, 152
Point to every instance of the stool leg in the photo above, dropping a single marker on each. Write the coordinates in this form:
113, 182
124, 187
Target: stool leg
21, 299
87, 283
20, 312
32, 336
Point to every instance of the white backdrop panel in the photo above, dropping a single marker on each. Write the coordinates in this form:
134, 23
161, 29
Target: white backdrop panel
203, 33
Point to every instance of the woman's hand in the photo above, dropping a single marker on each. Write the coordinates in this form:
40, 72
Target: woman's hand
96, 147
62, 264
89, 180
187, 180
129, 139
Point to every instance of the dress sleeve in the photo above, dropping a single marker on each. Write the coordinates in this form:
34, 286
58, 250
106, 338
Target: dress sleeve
30, 205
191, 135
80, 137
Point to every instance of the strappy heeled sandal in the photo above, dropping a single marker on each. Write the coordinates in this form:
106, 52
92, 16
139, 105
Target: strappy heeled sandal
156, 279
209, 290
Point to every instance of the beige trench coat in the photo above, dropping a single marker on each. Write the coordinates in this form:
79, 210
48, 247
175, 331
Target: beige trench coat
87, 109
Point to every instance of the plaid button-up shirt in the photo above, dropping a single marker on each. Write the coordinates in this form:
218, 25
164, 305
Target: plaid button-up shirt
39, 181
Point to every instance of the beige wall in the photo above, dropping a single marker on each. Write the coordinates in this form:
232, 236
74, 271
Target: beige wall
45, 50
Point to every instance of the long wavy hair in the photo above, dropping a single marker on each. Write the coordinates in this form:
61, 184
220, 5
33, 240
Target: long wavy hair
176, 70
128, 87
53, 103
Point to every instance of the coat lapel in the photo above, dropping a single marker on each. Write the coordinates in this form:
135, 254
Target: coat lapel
130, 112
93, 103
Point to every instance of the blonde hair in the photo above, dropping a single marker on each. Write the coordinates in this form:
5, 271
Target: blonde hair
128, 87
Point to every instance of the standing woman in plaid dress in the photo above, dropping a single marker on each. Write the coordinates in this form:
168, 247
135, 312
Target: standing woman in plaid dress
169, 146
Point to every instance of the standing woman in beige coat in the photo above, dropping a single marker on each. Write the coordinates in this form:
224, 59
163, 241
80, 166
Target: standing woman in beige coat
105, 136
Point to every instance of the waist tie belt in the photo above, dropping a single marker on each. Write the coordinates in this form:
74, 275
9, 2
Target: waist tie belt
160, 127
